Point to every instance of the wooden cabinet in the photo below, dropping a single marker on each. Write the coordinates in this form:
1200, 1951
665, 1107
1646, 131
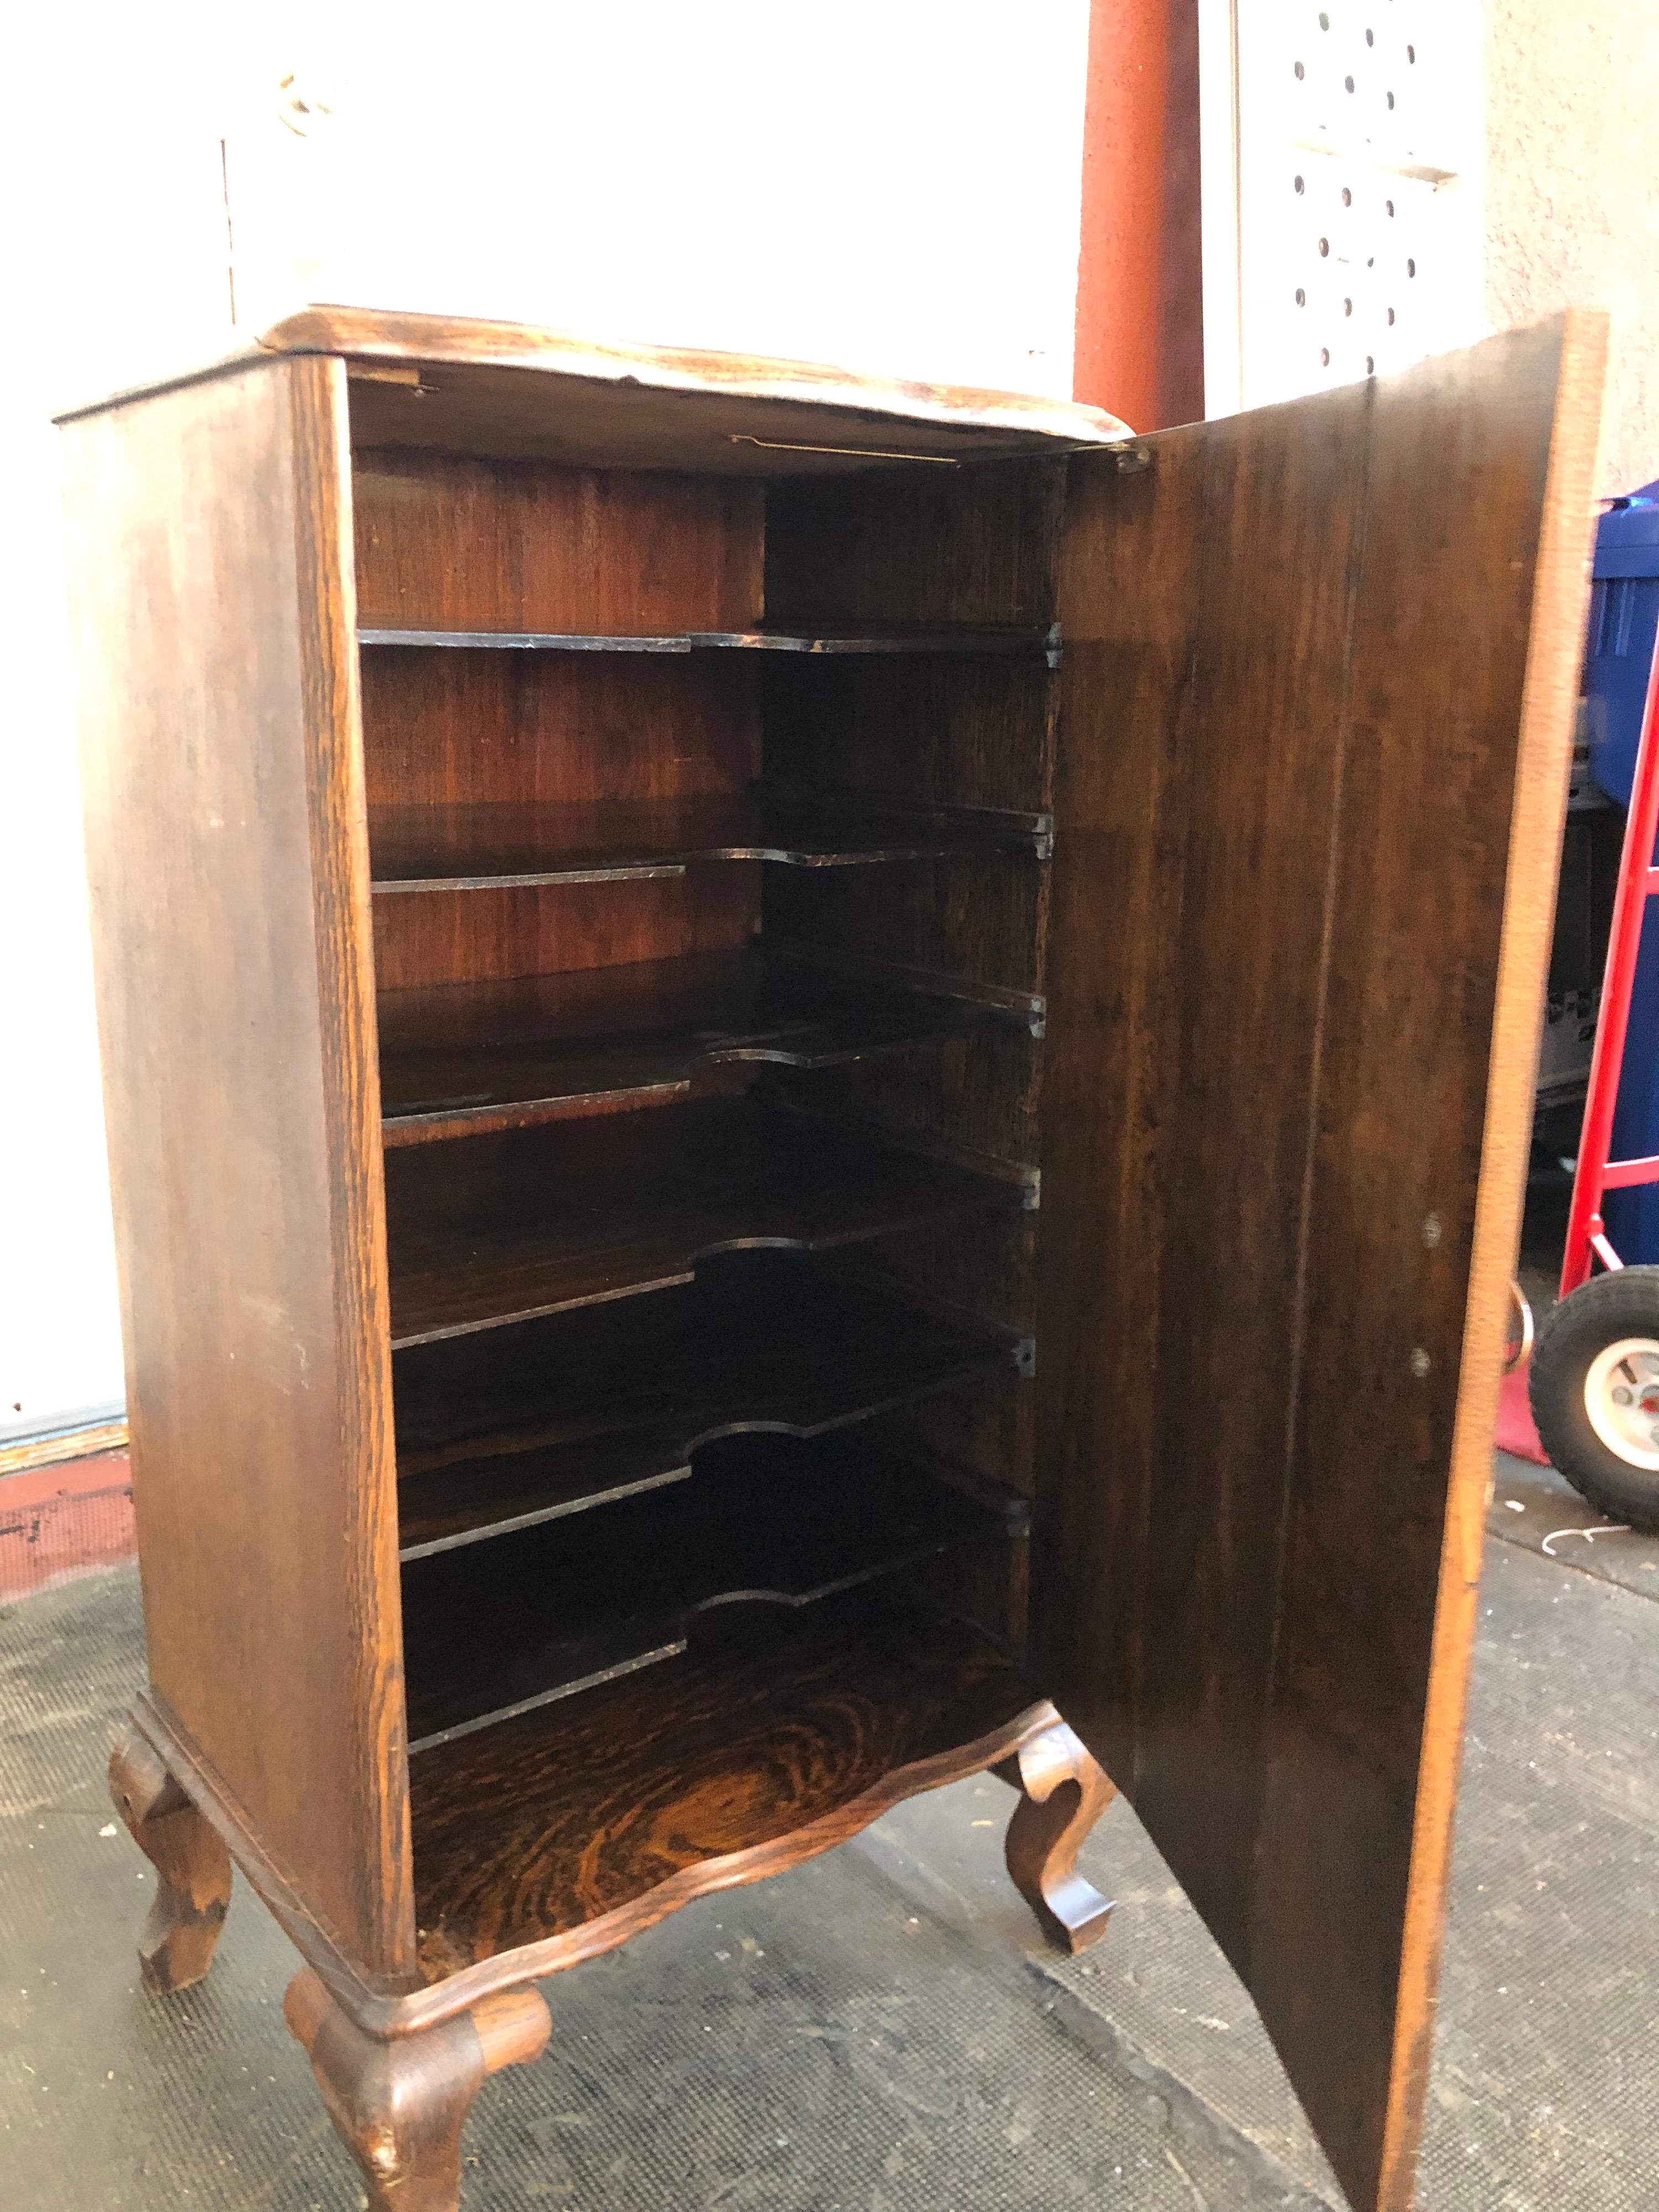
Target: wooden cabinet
802, 1074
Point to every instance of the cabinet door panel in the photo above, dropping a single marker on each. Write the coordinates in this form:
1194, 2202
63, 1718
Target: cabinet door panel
1320, 669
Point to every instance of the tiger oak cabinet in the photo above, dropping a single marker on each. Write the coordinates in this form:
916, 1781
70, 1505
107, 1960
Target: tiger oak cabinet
811, 1086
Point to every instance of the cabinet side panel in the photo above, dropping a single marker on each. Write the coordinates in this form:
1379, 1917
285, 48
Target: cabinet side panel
214, 624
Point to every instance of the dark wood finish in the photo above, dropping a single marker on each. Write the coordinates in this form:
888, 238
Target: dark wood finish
465, 1057
399, 2106
208, 534
521, 731
949, 547
1294, 690
977, 546
1462, 704
535, 1221
446, 729
765, 1522
526, 1424
960, 730
452, 542
193, 1866
573, 1828
1063, 1793
496, 935
1292, 1017
477, 846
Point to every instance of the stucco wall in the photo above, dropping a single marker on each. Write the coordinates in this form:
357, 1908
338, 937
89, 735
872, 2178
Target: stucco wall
1573, 190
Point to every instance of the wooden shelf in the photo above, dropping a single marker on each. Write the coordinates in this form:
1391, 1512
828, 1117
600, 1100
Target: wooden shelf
589, 1819
536, 1221
532, 1424
896, 637
470, 1056
500, 845
559, 1608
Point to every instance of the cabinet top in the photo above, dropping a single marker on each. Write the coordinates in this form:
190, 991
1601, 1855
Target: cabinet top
517, 392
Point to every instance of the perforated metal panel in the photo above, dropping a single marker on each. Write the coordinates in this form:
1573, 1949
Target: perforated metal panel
1353, 224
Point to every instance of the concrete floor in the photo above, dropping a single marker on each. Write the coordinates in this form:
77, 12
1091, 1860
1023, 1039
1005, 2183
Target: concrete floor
879, 2031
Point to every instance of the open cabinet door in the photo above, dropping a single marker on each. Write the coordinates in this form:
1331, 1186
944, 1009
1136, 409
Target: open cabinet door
1320, 670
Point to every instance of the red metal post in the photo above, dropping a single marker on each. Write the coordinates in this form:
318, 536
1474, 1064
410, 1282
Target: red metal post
1139, 342
1637, 878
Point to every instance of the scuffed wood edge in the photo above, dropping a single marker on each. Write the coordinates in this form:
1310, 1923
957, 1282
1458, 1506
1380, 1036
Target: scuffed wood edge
1559, 602
376, 334
373, 334
318, 1943
384, 2008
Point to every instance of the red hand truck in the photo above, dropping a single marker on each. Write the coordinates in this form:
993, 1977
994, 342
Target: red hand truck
1594, 1383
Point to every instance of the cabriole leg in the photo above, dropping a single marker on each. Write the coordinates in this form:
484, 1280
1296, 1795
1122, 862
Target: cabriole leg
1062, 1793
399, 2106
193, 1894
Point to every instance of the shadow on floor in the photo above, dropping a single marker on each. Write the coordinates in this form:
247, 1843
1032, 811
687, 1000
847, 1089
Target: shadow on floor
879, 2030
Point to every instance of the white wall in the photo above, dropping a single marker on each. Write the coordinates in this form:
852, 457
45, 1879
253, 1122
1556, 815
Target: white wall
889, 184
116, 257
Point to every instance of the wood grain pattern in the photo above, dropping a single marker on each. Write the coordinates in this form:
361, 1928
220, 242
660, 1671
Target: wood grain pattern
1307, 711
213, 625
496, 935
446, 728
456, 542
1197, 846
536, 1221
767, 1524
561, 1834
1469, 473
529, 1422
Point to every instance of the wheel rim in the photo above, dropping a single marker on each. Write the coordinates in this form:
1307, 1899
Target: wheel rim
1622, 1398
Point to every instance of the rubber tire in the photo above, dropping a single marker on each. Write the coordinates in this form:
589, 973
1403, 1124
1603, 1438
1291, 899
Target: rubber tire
1623, 1303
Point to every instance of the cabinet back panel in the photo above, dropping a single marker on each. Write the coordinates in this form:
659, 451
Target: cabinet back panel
980, 1094
449, 541
981, 918
446, 727
933, 544
491, 936
964, 545
965, 732
212, 606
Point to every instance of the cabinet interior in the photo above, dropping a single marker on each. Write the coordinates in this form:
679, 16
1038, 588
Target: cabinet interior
709, 828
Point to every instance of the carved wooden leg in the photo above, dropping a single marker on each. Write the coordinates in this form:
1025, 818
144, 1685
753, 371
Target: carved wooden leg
1062, 1793
193, 1894
399, 2106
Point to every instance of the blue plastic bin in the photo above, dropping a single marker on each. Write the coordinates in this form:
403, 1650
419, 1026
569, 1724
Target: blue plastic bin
1623, 627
